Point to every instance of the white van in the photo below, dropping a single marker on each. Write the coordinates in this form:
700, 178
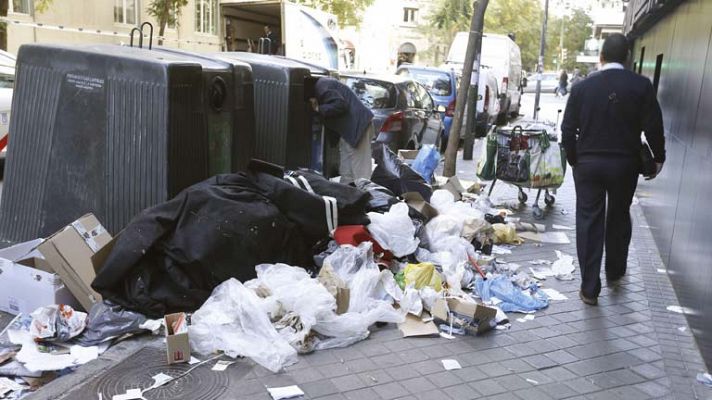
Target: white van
501, 55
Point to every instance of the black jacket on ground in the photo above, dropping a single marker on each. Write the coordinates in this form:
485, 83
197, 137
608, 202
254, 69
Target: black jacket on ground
606, 113
342, 112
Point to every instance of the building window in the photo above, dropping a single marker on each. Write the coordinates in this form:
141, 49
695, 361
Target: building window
409, 15
658, 70
126, 11
206, 16
21, 6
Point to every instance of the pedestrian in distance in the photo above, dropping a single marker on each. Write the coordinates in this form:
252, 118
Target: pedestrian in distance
271, 43
601, 133
344, 114
563, 84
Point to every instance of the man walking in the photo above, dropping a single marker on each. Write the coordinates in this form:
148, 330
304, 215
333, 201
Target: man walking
345, 115
604, 117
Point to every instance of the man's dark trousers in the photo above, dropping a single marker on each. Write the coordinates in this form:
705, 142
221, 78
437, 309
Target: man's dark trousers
599, 178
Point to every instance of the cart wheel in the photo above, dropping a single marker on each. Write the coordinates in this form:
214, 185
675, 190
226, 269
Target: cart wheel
549, 199
538, 213
522, 197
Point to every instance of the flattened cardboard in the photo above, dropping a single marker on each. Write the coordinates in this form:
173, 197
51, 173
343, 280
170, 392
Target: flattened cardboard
416, 200
343, 297
177, 345
69, 252
27, 282
454, 186
482, 315
415, 327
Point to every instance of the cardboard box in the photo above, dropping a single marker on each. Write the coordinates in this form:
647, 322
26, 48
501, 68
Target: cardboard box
417, 202
177, 343
27, 282
343, 298
416, 327
69, 253
475, 318
407, 155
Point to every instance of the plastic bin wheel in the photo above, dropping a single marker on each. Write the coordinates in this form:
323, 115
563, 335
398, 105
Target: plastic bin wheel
549, 199
522, 196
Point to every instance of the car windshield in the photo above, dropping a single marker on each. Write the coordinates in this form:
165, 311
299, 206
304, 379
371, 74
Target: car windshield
374, 94
7, 81
437, 83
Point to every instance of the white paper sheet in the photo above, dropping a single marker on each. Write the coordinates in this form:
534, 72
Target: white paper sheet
451, 364
286, 392
554, 294
546, 237
222, 365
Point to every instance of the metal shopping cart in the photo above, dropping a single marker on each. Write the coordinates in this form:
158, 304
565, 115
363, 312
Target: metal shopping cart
526, 156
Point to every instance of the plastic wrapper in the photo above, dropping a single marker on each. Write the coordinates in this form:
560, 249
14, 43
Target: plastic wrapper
506, 234
513, 299
108, 321
232, 321
395, 175
57, 323
421, 275
347, 260
428, 296
426, 162
394, 230
411, 302
381, 198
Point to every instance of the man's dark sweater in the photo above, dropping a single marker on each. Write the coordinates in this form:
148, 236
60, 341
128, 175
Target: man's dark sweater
607, 111
342, 112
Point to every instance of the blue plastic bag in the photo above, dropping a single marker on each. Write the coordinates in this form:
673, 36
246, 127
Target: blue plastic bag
513, 299
426, 162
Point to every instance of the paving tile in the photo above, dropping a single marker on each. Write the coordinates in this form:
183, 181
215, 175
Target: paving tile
362, 394
390, 390
461, 392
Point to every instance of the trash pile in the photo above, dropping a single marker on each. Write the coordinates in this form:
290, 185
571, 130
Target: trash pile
268, 264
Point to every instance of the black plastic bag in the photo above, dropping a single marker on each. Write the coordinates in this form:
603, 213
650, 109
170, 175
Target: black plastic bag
108, 321
395, 175
381, 198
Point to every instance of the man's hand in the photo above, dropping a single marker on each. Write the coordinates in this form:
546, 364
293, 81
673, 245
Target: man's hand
659, 167
314, 104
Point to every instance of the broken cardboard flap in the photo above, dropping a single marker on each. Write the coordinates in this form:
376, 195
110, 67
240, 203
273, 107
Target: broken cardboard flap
286, 392
454, 186
418, 203
418, 327
70, 253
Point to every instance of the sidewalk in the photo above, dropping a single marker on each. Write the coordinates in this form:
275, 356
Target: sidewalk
629, 347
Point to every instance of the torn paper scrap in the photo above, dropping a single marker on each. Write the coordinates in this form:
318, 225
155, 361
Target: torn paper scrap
546, 237
131, 394
193, 360
526, 318
160, 380
222, 365
286, 392
532, 381
563, 267
562, 227
451, 364
705, 379
554, 294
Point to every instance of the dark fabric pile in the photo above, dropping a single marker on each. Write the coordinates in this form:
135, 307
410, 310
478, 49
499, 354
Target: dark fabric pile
393, 174
171, 256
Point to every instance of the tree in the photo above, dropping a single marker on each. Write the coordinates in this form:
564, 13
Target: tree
347, 11
166, 12
519, 17
577, 28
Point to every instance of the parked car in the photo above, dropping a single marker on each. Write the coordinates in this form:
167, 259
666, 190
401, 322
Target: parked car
442, 84
549, 83
405, 115
502, 57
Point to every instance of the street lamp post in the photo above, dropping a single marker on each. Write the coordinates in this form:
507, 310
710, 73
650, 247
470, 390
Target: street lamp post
540, 64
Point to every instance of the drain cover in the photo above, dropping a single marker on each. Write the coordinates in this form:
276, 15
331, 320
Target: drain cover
136, 372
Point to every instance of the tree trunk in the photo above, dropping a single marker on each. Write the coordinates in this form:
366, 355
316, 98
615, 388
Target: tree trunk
163, 21
4, 5
474, 45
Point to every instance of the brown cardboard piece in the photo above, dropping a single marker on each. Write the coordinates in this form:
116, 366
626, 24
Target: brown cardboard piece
177, 344
343, 297
482, 316
69, 253
415, 327
454, 186
416, 200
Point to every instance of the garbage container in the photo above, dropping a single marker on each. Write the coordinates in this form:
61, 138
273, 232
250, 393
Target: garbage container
99, 128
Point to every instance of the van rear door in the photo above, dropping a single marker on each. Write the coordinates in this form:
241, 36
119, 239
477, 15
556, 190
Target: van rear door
310, 35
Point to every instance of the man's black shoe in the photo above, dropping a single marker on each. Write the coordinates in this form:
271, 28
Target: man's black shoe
591, 301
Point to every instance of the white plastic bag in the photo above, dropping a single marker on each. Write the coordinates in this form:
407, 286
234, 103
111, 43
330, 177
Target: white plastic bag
232, 321
394, 230
411, 302
347, 260
58, 322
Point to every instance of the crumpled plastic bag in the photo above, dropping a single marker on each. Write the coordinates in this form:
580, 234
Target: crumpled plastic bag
422, 275
394, 230
562, 269
513, 299
395, 175
381, 198
108, 321
347, 260
471, 220
428, 296
411, 302
232, 321
57, 323
506, 234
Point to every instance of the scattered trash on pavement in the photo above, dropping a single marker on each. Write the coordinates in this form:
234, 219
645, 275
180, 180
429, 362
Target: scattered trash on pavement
286, 392
449, 365
705, 378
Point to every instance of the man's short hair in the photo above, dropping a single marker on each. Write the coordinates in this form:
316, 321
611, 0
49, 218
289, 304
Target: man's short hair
615, 49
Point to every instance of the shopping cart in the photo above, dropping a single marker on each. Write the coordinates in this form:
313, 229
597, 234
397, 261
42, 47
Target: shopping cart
527, 156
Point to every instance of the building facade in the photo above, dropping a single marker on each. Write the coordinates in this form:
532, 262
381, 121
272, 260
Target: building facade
607, 17
110, 21
390, 33
673, 48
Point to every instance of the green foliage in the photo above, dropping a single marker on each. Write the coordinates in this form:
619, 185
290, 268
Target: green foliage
520, 17
347, 11
577, 28
42, 5
162, 11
